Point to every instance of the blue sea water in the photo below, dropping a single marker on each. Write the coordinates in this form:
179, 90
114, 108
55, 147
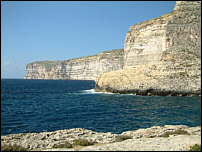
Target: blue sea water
50, 105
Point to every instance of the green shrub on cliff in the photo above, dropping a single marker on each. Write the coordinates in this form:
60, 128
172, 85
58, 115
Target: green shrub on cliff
196, 147
63, 145
178, 132
83, 142
80, 142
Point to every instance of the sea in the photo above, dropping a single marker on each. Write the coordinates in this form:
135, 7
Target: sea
48, 105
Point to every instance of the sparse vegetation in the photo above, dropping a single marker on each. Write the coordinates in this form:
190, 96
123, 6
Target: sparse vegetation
196, 147
77, 142
63, 145
122, 137
12, 148
83, 142
196, 76
178, 132
23, 134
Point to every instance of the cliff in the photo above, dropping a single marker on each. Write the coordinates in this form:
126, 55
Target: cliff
162, 56
83, 68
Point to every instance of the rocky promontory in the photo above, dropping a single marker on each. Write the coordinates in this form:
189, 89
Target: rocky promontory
162, 56
83, 68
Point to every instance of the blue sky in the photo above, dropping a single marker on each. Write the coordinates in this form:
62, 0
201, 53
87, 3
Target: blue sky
60, 30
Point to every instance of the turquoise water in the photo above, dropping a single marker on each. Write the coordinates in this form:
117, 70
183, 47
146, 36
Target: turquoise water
50, 105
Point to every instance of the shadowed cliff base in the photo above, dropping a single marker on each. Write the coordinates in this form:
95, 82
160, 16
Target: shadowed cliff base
149, 92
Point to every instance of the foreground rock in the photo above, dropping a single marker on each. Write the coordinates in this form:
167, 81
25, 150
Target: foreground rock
142, 139
162, 56
173, 143
46, 140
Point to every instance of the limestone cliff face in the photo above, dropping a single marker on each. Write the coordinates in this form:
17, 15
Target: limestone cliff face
145, 42
162, 55
84, 68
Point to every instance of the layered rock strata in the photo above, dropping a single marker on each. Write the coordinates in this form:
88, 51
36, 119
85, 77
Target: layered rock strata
142, 139
84, 68
162, 56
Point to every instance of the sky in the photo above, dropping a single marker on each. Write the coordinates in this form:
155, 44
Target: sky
60, 30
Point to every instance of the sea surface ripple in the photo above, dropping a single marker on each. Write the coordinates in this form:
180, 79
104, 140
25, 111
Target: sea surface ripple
50, 105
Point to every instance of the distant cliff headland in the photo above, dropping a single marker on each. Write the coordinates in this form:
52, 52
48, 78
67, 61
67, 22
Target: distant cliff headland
161, 56
83, 68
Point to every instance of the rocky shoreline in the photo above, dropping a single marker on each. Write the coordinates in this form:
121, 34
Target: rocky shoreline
148, 92
155, 138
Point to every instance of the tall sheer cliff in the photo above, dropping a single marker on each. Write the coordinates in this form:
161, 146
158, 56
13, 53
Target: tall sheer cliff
84, 68
162, 55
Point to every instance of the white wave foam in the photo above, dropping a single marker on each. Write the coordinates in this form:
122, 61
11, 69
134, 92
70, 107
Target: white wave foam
92, 91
